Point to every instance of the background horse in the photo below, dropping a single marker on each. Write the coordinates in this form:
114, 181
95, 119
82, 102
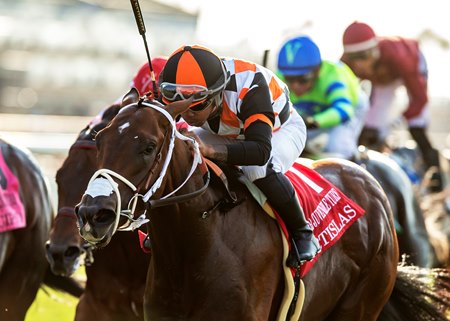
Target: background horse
23, 266
414, 242
437, 219
216, 260
435, 213
116, 277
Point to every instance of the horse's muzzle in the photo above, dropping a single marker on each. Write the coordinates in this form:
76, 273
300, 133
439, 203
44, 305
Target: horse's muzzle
96, 218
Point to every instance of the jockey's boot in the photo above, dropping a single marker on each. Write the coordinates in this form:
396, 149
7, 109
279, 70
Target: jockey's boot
430, 157
281, 195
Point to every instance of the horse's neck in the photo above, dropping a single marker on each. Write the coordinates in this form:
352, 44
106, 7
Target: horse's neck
180, 227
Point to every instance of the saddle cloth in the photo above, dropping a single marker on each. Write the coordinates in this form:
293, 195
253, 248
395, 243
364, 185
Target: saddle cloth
12, 212
328, 211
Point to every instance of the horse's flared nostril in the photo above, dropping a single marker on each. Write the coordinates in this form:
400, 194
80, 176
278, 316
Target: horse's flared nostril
72, 252
104, 216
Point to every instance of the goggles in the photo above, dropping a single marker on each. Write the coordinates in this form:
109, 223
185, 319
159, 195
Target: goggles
303, 79
173, 92
202, 106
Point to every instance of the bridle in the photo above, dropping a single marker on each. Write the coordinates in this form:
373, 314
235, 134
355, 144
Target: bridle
103, 181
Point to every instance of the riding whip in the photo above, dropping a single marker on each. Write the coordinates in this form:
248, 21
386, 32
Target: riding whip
141, 27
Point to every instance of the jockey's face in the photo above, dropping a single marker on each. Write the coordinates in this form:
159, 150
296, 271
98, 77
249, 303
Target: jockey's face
362, 63
198, 118
299, 86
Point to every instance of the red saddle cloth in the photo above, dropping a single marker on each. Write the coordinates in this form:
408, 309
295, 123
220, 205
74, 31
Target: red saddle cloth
328, 211
12, 212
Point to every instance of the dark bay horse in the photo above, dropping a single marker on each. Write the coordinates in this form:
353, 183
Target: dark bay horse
116, 276
414, 241
212, 260
413, 238
23, 267
432, 205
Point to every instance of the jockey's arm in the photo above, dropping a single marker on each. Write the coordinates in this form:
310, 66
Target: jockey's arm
254, 150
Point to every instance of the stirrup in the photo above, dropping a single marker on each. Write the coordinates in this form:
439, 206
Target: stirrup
293, 260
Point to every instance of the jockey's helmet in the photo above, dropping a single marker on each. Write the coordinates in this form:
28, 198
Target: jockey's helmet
193, 71
358, 37
299, 56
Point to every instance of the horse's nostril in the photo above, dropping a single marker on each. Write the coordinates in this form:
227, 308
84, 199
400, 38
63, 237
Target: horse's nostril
72, 251
104, 216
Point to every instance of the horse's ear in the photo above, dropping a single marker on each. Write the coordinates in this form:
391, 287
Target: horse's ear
178, 107
130, 97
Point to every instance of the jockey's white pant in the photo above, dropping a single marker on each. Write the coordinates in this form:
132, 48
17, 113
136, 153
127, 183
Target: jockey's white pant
382, 113
287, 145
342, 140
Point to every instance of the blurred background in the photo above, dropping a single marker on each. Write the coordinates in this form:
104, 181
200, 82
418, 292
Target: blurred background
63, 61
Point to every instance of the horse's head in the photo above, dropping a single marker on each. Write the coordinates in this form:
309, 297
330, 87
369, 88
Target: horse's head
134, 151
65, 245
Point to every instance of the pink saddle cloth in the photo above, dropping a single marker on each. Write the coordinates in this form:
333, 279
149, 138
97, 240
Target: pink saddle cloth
328, 211
12, 212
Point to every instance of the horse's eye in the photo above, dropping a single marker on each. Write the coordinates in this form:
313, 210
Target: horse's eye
148, 149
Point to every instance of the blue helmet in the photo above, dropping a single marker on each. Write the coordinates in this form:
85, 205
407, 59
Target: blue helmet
299, 56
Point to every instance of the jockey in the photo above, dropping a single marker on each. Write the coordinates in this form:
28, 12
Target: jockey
390, 63
243, 117
326, 94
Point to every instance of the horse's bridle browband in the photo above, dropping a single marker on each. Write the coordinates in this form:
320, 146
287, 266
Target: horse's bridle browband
106, 176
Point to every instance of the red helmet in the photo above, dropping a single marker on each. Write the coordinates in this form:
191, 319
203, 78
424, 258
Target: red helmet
359, 37
142, 80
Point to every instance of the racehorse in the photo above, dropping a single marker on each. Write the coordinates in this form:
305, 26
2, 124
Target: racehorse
23, 267
115, 275
414, 242
216, 260
432, 205
437, 220
413, 238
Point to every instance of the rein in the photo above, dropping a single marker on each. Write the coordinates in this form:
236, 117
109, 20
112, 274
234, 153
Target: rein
102, 182
156, 163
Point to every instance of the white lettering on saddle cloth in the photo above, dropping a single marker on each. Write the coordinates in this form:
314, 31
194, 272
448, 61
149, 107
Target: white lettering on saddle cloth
336, 225
12, 212
324, 207
332, 226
